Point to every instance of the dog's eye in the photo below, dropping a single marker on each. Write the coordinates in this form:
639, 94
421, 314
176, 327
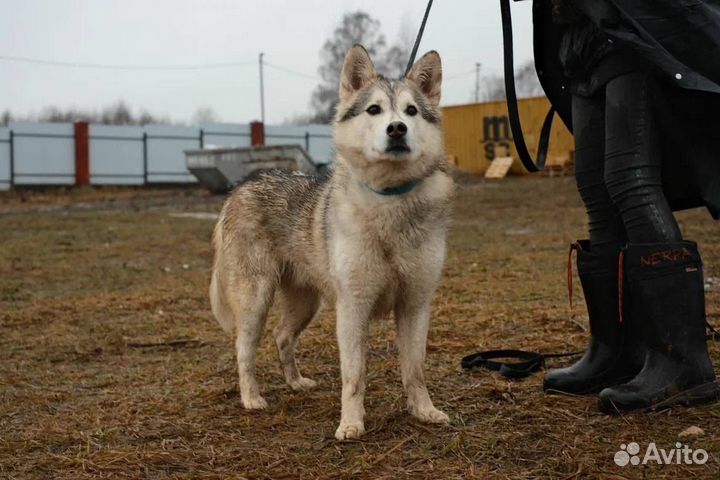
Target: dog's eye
411, 110
373, 109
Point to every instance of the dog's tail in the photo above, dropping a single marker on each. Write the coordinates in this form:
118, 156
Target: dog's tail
218, 303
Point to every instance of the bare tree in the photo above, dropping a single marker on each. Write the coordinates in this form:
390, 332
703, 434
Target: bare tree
6, 118
492, 88
116, 114
526, 84
356, 27
392, 64
526, 81
146, 118
54, 114
204, 115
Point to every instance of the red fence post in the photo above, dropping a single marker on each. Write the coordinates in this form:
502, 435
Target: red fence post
82, 153
257, 133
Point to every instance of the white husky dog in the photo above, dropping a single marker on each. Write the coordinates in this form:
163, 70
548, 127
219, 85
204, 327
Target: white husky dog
368, 239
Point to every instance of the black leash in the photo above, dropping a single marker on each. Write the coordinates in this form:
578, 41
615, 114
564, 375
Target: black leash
511, 96
714, 334
510, 93
413, 54
532, 361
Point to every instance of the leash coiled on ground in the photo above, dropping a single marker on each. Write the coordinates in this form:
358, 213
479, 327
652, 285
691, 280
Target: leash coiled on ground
532, 361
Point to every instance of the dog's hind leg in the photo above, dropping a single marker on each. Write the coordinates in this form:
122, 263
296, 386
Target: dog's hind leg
299, 306
413, 321
250, 299
218, 303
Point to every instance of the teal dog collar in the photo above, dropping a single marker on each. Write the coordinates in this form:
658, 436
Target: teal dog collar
399, 190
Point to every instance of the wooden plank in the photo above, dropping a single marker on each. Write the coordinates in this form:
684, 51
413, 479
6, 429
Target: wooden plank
499, 167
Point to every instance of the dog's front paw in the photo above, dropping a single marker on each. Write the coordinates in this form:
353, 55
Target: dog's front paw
302, 383
254, 403
430, 415
349, 430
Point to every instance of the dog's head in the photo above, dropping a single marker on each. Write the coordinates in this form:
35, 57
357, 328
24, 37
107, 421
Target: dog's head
389, 131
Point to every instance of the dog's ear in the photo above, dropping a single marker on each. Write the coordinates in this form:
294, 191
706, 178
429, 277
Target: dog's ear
427, 74
357, 72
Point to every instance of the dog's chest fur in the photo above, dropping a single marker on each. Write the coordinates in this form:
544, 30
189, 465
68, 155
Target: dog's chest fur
337, 236
376, 245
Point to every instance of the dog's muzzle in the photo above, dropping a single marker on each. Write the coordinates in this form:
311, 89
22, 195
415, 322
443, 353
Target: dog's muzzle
397, 146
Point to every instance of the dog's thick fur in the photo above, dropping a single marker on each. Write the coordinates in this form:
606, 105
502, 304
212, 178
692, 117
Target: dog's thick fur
344, 239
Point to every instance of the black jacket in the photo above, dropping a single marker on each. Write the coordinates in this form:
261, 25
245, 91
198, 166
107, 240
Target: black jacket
680, 39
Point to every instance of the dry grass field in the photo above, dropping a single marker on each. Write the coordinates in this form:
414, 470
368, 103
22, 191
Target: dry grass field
113, 367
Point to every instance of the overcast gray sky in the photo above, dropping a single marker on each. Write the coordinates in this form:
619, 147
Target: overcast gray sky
196, 32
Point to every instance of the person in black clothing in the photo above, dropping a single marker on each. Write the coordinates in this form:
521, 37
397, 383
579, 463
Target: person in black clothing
619, 83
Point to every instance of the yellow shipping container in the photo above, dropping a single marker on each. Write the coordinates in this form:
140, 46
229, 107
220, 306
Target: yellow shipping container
477, 133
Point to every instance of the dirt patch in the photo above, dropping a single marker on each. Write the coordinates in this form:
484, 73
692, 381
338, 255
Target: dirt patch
65, 199
114, 368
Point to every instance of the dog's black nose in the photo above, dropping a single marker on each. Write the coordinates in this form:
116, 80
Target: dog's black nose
396, 130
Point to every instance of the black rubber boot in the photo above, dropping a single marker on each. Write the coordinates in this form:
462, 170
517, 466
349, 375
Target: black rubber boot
613, 356
665, 293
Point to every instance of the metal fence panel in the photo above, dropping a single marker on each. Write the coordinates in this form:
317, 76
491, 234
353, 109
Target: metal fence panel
166, 147
316, 139
116, 155
321, 147
44, 153
227, 135
5, 159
